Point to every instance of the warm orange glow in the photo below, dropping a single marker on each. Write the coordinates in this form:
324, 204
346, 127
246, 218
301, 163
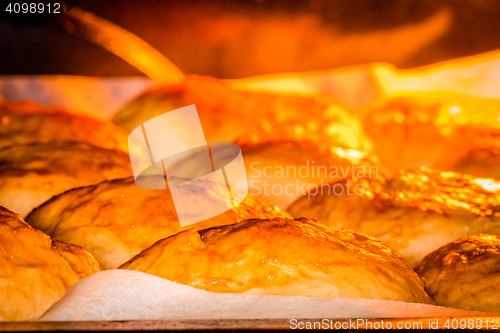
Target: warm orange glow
351, 154
356, 45
475, 75
488, 184
122, 43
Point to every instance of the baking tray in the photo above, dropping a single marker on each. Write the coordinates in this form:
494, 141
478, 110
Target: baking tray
442, 323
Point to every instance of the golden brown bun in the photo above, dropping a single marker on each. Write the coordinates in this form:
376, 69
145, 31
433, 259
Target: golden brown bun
283, 256
414, 212
280, 171
464, 274
481, 162
228, 115
27, 122
116, 219
31, 174
35, 270
429, 129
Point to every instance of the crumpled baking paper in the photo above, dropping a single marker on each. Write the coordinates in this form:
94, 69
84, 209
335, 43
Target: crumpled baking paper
133, 295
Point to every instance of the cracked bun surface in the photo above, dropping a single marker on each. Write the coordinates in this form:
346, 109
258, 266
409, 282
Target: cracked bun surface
35, 270
116, 219
464, 274
282, 256
414, 211
30, 174
27, 122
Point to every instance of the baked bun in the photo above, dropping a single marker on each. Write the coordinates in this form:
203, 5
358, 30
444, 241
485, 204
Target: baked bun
414, 212
429, 129
483, 162
281, 171
116, 219
283, 256
228, 115
27, 122
464, 274
36, 270
32, 173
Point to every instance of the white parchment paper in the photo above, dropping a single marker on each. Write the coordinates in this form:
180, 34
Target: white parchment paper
132, 295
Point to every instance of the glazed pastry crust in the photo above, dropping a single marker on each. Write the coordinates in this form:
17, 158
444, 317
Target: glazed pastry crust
464, 274
429, 129
30, 174
283, 256
36, 270
228, 115
414, 212
27, 122
280, 171
116, 219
